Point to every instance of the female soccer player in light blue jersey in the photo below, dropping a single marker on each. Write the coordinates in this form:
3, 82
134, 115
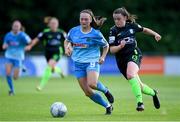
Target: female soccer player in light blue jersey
14, 44
84, 42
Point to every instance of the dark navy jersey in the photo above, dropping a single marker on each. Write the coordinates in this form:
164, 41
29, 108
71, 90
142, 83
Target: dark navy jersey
52, 40
126, 33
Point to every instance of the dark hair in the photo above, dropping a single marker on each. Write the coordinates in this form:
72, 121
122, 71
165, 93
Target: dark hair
124, 12
97, 21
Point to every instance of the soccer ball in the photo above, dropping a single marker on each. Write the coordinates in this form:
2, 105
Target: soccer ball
58, 109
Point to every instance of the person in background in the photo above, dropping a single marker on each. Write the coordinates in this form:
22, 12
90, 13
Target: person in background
53, 39
15, 42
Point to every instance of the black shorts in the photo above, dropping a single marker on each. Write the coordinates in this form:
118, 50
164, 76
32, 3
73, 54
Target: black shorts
134, 56
52, 54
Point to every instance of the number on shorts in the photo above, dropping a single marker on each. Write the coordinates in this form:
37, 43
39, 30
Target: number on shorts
92, 64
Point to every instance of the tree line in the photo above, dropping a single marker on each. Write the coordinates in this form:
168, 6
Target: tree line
161, 16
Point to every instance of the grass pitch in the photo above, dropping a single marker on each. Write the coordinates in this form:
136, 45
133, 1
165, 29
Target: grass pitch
31, 105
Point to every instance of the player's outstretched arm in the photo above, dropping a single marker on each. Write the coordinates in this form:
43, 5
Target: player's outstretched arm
153, 33
32, 44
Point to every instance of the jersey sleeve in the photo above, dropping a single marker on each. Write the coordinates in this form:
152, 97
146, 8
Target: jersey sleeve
111, 38
68, 37
5, 41
137, 27
101, 41
40, 36
64, 34
26, 38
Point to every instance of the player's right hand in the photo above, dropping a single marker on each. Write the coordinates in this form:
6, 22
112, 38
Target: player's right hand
68, 51
5, 46
157, 37
28, 48
123, 43
101, 60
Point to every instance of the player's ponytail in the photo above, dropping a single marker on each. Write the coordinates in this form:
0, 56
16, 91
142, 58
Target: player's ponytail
97, 21
23, 28
124, 12
47, 19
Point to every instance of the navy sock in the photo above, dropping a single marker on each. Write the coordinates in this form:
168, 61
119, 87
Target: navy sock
10, 83
98, 99
101, 87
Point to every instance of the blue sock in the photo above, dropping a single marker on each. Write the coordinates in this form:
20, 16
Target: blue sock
10, 83
101, 87
98, 99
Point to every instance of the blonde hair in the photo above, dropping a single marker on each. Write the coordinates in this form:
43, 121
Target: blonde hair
49, 18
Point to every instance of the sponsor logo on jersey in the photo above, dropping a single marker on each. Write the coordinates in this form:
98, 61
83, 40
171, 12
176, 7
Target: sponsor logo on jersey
49, 36
54, 42
13, 43
111, 39
79, 45
58, 36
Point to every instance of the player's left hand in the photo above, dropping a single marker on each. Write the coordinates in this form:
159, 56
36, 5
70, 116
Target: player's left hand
101, 60
157, 37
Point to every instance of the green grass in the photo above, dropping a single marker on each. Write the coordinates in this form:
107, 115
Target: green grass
31, 105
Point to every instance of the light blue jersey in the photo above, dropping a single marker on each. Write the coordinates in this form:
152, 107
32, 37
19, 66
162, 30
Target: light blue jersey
16, 44
86, 46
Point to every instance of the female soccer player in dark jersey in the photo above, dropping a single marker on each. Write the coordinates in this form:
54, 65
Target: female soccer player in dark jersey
84, 42
123, 44
53, 38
